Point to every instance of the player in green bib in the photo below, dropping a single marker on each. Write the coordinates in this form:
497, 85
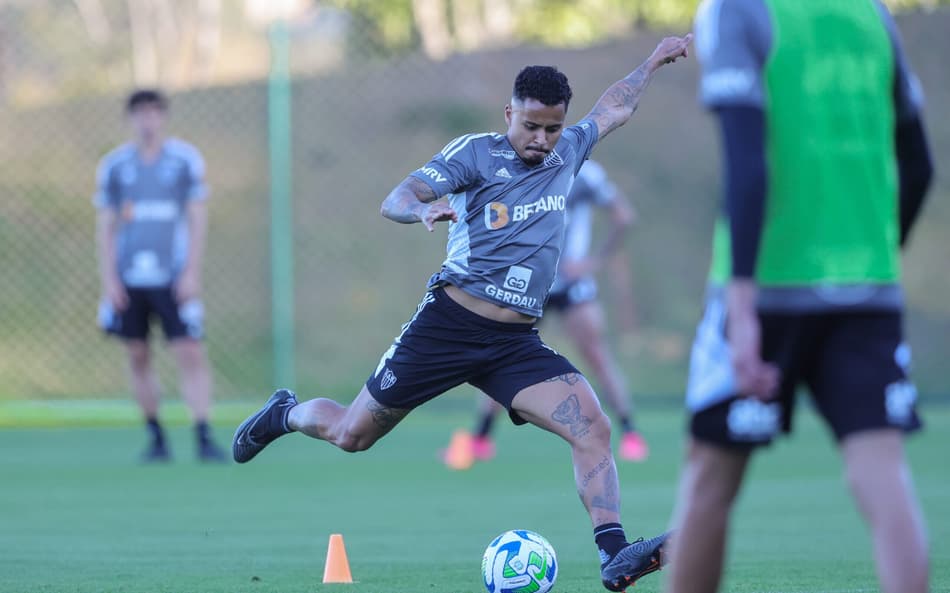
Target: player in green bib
826, 166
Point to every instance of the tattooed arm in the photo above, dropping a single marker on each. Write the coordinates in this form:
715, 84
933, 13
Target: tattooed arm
414, 201
621, 99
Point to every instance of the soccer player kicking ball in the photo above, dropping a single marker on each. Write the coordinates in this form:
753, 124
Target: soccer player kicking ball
506, 205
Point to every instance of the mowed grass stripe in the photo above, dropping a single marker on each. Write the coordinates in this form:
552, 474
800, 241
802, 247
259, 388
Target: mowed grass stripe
77, 514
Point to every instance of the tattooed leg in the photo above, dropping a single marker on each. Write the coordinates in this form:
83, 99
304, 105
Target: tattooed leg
351, 428
566, 405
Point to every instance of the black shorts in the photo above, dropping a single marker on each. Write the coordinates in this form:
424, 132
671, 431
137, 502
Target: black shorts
578, 292
178, 321
854, 365
445, 345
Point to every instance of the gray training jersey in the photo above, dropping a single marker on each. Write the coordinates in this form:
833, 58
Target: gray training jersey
505, 247
151, 201
592, 188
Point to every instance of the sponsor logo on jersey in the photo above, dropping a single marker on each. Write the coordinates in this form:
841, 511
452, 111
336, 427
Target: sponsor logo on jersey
511, 298
503, 173
432, 173
518, 279
545, 204
505, 154
153, 210
497, 214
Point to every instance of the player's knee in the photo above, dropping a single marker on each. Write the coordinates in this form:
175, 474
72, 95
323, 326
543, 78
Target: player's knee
352, 441
190, 353
596, 434
139, 358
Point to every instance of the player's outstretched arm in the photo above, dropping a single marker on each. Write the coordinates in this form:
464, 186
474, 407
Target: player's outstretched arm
412, 201
621, 99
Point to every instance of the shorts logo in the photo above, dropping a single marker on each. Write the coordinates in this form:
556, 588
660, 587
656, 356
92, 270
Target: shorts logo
518, 279
496, 215
899, 399
192, 314
388, 380
752, 420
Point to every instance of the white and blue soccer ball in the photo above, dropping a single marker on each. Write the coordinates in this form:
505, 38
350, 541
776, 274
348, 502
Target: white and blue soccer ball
519, 561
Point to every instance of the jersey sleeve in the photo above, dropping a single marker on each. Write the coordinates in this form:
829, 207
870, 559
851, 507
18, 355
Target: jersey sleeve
733, 39
582, 136
454, 169
107, 188
908, 94
196, 186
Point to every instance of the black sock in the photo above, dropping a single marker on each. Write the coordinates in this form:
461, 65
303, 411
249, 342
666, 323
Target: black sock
626, 424
484, 425
281, 426
610, 539
155, 430
202, 432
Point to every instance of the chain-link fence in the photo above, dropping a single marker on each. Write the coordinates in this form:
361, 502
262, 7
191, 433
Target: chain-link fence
371, 101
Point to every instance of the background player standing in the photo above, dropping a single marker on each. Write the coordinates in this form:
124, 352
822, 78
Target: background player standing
150, 230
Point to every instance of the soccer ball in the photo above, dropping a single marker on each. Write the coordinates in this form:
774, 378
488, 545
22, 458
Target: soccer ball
519, 561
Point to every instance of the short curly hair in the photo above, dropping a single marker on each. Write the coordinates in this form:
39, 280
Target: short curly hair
141, 97
543, 83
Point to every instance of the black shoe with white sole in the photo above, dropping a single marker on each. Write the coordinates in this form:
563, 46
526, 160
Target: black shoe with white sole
264, 426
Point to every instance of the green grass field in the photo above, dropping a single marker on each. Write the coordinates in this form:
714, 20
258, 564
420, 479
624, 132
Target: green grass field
77, 514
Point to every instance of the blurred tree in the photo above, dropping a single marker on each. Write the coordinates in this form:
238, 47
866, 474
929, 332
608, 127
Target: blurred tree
63, 48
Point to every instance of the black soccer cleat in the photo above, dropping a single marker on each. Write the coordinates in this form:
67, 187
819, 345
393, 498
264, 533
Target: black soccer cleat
264, 426
156, 453
210, 453
638, 559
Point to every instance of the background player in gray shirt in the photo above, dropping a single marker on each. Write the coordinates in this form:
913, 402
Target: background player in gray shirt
505, 198
151, 225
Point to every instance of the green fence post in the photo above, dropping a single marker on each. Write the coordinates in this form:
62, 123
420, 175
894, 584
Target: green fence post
281, 222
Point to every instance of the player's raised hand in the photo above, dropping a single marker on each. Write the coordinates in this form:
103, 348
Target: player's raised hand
436, 211
671, 49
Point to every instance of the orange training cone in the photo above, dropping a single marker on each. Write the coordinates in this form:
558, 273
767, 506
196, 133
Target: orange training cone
337, 569
459, 455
